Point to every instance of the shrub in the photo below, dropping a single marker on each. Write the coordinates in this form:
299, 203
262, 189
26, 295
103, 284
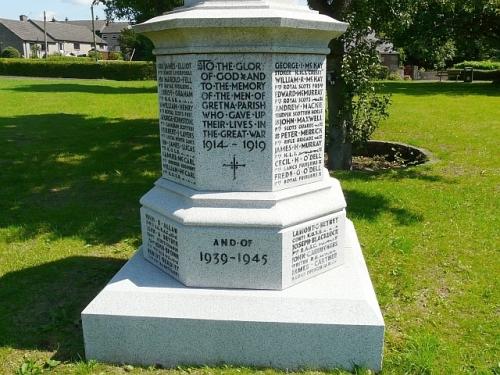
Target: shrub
115, 56
479, 75
394, 77
10, 53
79, 68
481, 65
92, 54
382, 72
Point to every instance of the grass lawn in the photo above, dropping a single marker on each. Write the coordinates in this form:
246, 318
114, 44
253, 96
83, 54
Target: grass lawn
76, 156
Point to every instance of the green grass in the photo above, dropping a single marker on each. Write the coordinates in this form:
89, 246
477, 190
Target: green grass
76, 155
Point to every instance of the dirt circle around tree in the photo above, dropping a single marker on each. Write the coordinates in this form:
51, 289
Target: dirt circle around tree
383, 155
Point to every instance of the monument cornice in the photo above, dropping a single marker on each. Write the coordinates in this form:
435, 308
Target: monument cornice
242, 26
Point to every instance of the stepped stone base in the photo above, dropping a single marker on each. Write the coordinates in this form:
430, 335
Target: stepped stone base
145, 317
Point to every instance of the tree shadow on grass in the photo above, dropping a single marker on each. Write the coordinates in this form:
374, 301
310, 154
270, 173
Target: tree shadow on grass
41, 305
419, 172
82, 87
369, 206
439, 88
71, 175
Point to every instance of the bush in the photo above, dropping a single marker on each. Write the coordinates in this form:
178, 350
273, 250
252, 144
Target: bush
10, 53
92, 54
479, 75
115, 56
481, 65
79, 68
382, 72
394, 77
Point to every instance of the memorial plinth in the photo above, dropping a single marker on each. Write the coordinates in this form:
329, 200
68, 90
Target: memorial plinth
244, 205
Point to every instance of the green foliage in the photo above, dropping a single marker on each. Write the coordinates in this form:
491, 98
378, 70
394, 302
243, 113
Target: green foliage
95, 55
137, 45
481, 65
35, 50
32, 367
29, 367
394, 77
76, 160
138, 10
91, 148
362, 108
115, 56
435, 33
420, 354
382, 72
10, 53
79, 68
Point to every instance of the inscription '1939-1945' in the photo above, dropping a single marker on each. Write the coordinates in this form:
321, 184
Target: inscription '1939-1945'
226, 257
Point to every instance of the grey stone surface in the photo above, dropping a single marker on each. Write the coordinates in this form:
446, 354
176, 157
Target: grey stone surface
240, 122
260, 240
144, 317
242, 26
245, 214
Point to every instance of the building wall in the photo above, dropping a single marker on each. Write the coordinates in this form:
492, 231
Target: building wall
112, 39
9, 39
82, 49
390, 60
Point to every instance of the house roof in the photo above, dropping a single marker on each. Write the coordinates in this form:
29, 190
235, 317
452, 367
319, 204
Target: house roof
115, 27
99, 24
26, 30
66, 32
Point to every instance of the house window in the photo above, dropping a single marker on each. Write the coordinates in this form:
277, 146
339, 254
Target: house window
104, 37
76, 45
61, 46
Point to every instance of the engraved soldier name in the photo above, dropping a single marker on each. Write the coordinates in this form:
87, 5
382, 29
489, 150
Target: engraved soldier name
299, 121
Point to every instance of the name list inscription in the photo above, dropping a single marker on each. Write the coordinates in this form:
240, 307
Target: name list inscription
162, 243
314, 247
175, 91
298, 122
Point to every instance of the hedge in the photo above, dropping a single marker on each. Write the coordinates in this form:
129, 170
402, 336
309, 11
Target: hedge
10, 53
479, 75
79, 68
481, 65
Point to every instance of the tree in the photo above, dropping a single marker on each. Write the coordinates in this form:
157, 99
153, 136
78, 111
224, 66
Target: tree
354, 107
138, 10
135, 45
435, 33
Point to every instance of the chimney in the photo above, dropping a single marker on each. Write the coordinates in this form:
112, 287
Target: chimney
23, 18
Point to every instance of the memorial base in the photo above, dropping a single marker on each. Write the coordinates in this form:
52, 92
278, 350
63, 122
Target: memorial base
145, 317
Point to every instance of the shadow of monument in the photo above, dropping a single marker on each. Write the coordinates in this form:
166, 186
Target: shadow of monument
71, 175
369, 206
439, 88
85, 88
40, 306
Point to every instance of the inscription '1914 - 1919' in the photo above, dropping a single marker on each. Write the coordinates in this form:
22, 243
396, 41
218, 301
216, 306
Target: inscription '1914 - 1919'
233, 105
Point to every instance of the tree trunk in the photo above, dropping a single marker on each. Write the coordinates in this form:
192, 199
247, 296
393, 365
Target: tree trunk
339, 150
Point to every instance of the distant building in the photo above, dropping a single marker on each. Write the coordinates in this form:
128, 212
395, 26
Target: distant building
388, 56
107, 30
28, 37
